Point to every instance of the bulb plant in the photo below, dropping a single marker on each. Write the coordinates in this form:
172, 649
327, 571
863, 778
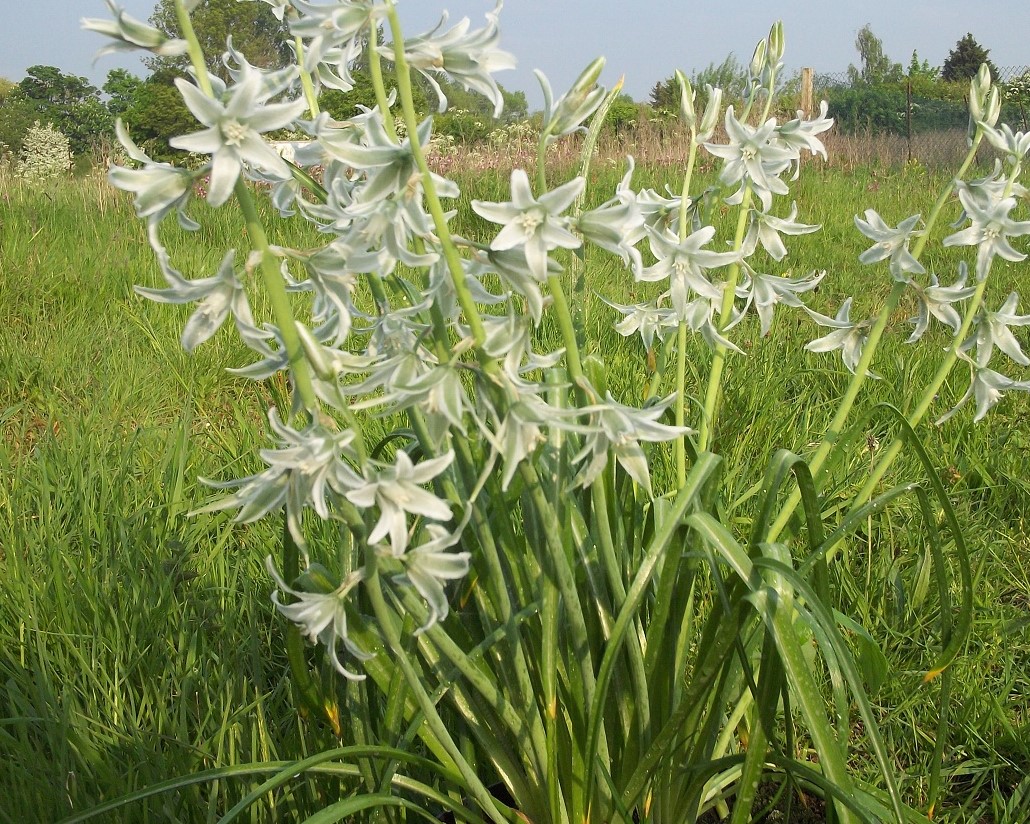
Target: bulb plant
524, 619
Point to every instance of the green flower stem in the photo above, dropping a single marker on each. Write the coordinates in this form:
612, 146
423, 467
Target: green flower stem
273, 281
193, 49
610, 562
725, 313
941, 375
436, 210
499, 596
942, 199
565, 578
305, 76
833, 431
436, 724
567, 327
681, 333
541, 163
485, 686
577, 263
929, 395
279, 299
375, 71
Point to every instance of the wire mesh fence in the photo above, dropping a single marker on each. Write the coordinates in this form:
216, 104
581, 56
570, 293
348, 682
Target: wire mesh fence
918, 119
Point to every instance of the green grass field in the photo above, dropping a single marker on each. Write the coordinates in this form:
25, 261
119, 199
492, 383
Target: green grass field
138, 644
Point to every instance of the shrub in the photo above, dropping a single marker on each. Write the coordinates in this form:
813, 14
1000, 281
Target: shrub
45, 154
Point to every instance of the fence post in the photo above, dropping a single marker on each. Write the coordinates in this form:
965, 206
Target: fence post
908, 117
806, 91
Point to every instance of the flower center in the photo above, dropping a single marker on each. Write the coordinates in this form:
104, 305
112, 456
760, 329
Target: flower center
529, 221
233, 131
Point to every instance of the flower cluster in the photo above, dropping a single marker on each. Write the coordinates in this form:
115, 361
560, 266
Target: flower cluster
408, 319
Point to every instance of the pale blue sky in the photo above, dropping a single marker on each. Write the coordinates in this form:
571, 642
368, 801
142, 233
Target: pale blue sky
643, 39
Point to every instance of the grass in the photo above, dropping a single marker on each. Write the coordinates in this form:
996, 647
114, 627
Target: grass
138, 643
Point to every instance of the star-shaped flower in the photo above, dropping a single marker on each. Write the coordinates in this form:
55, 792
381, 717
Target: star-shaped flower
533, 225
890, 243
470, 58
397, 490
235, 122
990, 229
685, 263
322, 616
847, 336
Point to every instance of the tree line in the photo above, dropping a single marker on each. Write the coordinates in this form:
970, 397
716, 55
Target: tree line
152, 108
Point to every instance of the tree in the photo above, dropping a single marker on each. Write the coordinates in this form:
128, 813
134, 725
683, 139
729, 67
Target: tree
876, 67
121, 86
156, 113
964, 61
255, 31
921, 68
69, 103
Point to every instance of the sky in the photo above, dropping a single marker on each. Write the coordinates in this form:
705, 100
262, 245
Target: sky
643, 40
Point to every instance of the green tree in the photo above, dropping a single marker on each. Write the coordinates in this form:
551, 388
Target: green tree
70, 103
255, 31
921, 68
121, 86
876, 66
964, 61
155, 112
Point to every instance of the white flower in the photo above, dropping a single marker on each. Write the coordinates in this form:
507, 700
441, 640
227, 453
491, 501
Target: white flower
765, 229
307, 468
649, 319
322, 616
396, 491
801, 134
991, 227
530, 224
468, 58
685, 263
233, 134
159, 187
429, 566
1014, 145
992, 329
620, 428
936, 300
332, 25
987, 386
849, 337
752, 155
217, 297
616, 225
131, 34
765, 291
890, 242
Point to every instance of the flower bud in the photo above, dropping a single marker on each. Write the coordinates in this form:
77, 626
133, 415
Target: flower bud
711, 115
760, 58
983, 79
686, 99
776, 42
577, 104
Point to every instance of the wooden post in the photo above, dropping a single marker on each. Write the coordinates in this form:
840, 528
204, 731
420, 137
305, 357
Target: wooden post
806, 91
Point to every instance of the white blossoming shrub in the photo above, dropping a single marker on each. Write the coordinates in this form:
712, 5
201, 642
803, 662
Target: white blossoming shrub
45, 154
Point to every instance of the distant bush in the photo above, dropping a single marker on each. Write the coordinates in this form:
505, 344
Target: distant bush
45, 154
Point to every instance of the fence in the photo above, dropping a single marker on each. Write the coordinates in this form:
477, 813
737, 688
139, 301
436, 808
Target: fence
913, 119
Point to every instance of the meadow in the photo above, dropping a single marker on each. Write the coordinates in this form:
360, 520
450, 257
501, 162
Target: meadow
138, 643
